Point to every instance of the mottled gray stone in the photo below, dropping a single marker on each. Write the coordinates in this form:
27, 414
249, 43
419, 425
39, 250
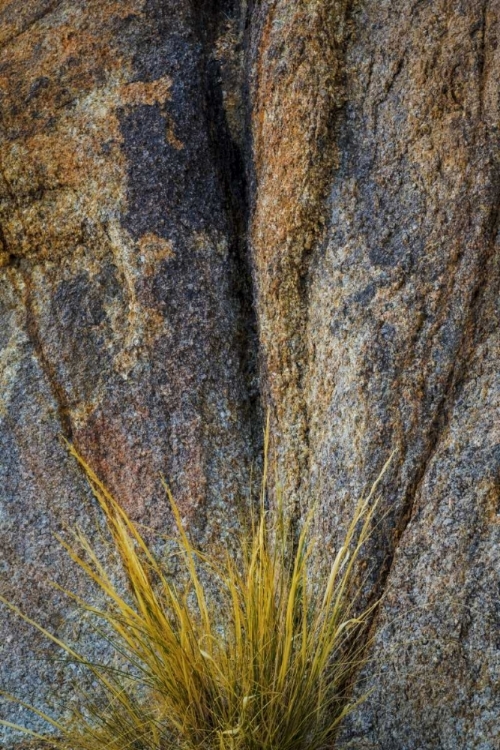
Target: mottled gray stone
125, 314
379, 326
368, 134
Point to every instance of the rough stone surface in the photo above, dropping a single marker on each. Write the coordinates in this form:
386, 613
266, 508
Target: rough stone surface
379, 329
124, 291
368, 132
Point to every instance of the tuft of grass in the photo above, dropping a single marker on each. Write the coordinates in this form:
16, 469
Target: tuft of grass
255, 651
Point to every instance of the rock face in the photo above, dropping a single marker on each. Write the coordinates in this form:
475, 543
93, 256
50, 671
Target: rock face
136, 268
125, 304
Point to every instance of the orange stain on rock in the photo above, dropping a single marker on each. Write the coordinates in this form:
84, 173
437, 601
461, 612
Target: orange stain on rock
154, 249
297, 91
149, 93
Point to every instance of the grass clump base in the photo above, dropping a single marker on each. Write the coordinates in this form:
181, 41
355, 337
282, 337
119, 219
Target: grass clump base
251, 652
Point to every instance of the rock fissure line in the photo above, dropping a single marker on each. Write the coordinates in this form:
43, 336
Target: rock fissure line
57, 390
233, 164
446, 405
37, 17
25, 292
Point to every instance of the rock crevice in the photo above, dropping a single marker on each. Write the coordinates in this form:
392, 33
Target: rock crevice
210, 210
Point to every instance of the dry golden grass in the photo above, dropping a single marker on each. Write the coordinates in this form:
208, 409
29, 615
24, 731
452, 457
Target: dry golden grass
253, 652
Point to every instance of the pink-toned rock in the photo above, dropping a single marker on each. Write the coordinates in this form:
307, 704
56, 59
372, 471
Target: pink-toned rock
125, 303
368, 133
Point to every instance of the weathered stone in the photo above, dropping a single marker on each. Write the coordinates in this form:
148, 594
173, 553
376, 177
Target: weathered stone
297, 70
375, 241
125, 321
369, 134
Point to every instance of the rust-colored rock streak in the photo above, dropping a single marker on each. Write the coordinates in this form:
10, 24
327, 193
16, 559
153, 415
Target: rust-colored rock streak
375, 240
120, 309
369, 133
297, 92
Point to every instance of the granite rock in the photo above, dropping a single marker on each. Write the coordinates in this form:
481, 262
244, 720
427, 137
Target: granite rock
125, 319
210, 209
375, 242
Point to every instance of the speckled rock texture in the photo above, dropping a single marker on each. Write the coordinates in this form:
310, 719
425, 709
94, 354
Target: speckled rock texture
141, 281
375, 241
125, 303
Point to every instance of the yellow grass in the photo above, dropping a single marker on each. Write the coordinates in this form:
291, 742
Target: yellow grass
252, 652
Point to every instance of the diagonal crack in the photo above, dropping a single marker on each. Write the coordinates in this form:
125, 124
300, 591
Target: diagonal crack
453, 385
231, 161
43, 13
26, 293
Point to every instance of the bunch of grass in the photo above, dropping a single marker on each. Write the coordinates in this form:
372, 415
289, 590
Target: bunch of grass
255, 651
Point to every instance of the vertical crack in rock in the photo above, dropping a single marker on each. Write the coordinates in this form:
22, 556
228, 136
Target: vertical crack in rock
125, 208
457, 373
472, 303
58, 392
444, 411
186, 193
402, 291
223, 29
